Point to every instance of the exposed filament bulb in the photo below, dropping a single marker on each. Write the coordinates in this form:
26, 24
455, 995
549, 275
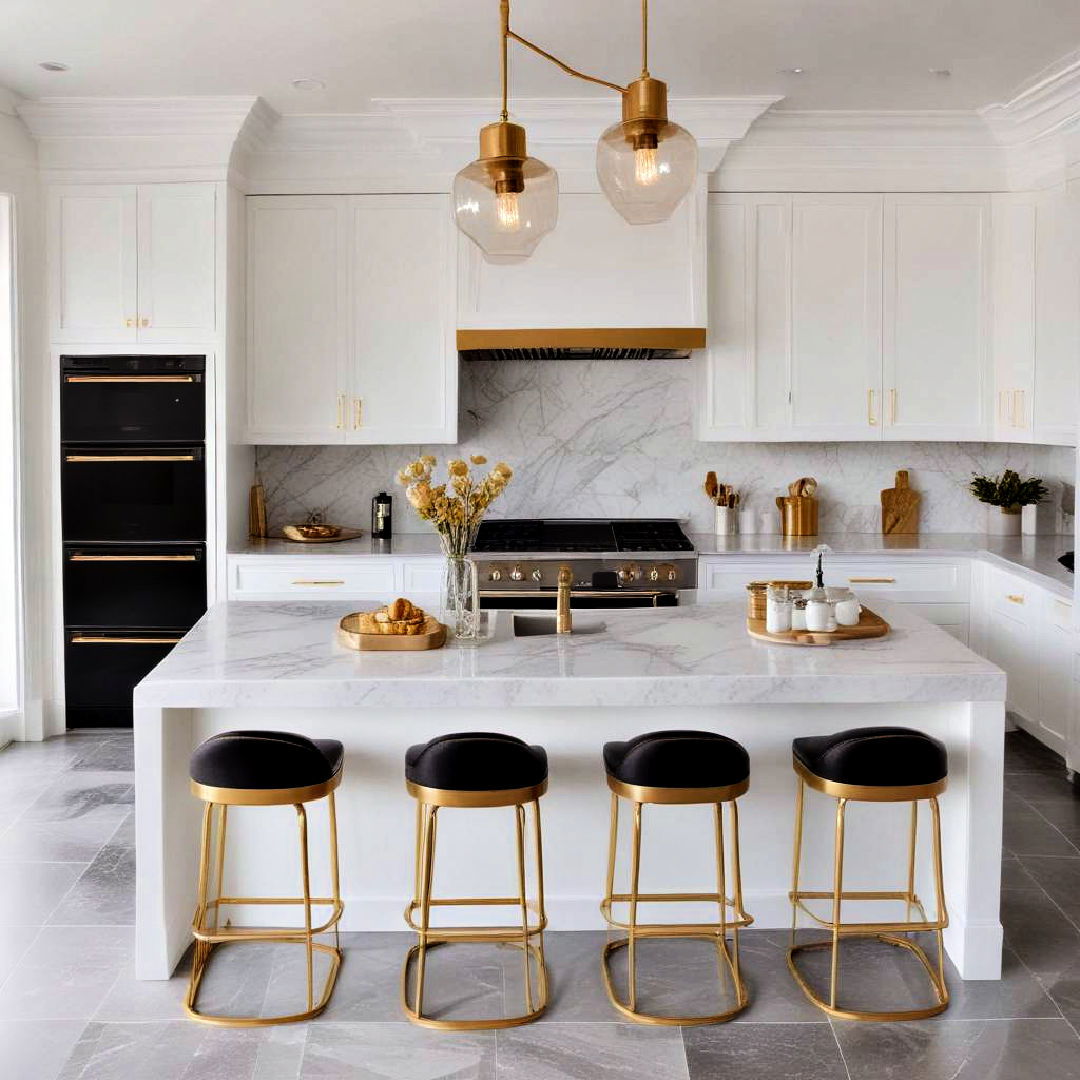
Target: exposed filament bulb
646, 166
506, 211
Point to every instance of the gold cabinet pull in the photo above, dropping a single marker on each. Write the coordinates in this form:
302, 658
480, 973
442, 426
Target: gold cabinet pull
872, 580
871, 419
128, 457
340, 411
129, 378
129, 323
108, 639
132, 558
306, 582
358, 412
144, 322
1014, 598
892, 405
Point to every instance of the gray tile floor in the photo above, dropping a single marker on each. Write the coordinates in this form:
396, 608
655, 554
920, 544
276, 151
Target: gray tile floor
70, 1007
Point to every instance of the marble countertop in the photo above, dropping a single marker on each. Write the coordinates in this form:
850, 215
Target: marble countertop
403, 544
250, 654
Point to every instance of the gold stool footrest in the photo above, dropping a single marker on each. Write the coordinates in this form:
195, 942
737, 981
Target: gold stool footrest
937, 983
204, 950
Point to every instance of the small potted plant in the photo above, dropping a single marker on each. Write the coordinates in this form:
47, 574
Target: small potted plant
1010, 494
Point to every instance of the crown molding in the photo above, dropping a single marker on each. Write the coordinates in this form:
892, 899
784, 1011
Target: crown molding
1047, 104
80, 117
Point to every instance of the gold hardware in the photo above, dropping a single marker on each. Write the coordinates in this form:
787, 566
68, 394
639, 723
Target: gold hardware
871, 419
664, 337
129, 378
564, 619
129, 323
358, 406
144, 322
128, 457
871, 580
109, 639
732, 914
340, 411
428, 803
885, 932
339, 581
892, 405
132, 558
1014, 598
206, 927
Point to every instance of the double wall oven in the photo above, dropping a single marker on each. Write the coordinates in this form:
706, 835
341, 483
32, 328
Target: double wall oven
615, 563
133, 511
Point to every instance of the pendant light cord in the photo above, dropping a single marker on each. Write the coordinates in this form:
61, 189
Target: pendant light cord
644, 39
504, 18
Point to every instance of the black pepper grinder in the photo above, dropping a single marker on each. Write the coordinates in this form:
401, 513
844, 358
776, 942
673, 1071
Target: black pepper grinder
382, 507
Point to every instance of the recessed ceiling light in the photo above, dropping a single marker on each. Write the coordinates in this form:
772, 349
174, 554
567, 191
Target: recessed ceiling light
793, 71
941, 73
53, 65
308, 85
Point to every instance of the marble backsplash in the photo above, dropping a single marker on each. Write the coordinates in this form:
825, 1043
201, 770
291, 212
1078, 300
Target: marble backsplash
615, 439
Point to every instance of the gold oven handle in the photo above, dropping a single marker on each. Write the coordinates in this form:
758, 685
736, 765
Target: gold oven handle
107, 639
132, 558
129, 378
872, 580
128, 457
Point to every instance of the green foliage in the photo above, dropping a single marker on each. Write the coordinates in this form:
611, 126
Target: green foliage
1007, 489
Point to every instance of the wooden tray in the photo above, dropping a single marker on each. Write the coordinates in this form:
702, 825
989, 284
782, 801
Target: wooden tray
289, 532
870, 625
432, 637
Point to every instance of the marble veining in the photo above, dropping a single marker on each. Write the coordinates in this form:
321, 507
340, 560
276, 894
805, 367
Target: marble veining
605, 439
285, 654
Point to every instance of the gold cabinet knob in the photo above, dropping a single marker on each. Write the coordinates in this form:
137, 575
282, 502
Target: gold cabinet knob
144, 322
129, 323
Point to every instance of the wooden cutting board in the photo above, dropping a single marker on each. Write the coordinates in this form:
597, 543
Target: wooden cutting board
870, 625
433, 637
900, 507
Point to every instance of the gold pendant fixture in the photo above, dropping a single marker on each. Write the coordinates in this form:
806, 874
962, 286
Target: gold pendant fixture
507, 202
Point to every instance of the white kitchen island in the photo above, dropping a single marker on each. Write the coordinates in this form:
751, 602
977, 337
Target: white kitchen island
275, 665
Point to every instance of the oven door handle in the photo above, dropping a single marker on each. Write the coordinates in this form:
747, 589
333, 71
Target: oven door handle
102, 458
116, 639
130, 378
78, 557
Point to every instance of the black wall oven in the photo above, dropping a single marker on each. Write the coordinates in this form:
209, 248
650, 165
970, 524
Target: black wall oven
133, 508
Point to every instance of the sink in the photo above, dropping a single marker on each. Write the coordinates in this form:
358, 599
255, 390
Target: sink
539, 625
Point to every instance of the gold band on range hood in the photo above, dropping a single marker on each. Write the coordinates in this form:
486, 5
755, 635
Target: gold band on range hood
626, 337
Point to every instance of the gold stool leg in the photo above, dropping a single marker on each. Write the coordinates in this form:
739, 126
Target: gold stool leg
519, 831
635, 873
721, 885
800, 801
940, 912
541, 910
838, 894
305, 880
427, 872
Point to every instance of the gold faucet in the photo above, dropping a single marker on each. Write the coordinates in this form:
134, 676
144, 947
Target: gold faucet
564, 621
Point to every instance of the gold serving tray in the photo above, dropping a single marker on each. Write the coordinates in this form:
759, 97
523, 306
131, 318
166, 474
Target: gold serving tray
871, 625
433, 636
290, 532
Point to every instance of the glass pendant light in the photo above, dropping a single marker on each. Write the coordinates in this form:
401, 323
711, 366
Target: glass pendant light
505, 201
645, 163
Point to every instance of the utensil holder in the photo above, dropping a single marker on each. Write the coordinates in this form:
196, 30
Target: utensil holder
727, 521
798, 515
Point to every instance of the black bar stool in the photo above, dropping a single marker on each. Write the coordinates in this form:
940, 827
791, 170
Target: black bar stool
263, 768
669, 768
877, 765
477, 769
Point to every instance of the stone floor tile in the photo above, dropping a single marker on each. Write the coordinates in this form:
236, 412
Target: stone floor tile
82, 796
1059, 878
764, 1052
54, 841
1041, 787
940, 1049
14, 943
114, 753
1043, 938
30, 892
1014, 876
104, 894
1027, 832
36, 1049
563, 1051
1024, 753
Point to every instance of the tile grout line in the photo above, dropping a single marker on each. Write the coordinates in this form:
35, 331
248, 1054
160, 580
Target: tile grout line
840, 1049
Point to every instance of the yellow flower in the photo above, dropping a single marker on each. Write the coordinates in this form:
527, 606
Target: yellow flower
457, 467
429, 460
478, 459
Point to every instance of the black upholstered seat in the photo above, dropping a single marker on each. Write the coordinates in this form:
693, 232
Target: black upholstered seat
265, 760
874, 757
476, 761
677, 759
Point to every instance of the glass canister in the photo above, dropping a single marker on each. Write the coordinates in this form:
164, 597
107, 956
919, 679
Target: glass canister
848, 608
778, 609
756, 599
820, 615
798, 613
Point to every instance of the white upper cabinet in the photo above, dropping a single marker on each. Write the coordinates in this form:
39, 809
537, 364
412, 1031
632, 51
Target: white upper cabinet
133, 263
177, 258
403, 356
593, 271
1036, 319
297, 348
351, 334
92, 261
936, 317
836, 316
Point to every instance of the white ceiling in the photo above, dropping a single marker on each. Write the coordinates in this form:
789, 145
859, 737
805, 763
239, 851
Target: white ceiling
858, 54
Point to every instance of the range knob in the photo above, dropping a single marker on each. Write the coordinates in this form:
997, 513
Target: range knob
495, 575
654, 574
516, 574
627, 574
538, 574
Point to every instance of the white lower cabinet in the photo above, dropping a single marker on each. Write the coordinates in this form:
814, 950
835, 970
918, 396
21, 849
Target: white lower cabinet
334, 577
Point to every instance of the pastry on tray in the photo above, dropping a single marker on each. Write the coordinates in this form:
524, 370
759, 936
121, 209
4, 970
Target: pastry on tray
399, 617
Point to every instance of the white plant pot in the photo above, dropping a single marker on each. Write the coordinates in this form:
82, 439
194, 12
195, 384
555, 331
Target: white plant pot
1000, 523
727, 521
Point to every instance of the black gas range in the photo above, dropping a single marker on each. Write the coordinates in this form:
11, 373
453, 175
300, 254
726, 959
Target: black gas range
615, 562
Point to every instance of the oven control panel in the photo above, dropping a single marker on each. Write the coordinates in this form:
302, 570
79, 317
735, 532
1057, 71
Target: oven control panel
530, 573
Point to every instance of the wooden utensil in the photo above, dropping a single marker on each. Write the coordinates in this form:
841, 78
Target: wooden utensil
433, 637
711, 486
900, 507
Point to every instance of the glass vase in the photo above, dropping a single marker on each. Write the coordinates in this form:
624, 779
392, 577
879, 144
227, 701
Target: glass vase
461, 599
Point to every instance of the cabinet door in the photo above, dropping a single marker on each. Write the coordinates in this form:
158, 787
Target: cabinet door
1057, 323
1057, 646
836, 316
297, 319
403, 352
1014, 230
936, 367
92, 264
177, 253
743, 375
